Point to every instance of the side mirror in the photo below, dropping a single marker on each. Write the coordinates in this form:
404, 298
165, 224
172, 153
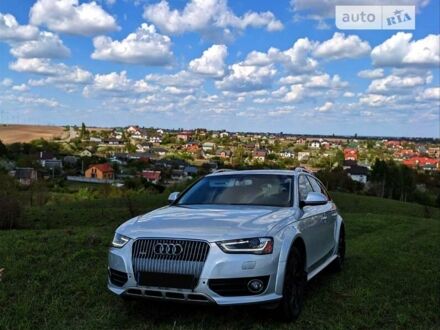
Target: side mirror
315, 198
173, 196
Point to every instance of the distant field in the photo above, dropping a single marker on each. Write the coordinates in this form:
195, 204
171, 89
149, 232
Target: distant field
26, 133
55, 273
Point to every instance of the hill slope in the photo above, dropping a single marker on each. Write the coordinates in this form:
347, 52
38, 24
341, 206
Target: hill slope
55, 274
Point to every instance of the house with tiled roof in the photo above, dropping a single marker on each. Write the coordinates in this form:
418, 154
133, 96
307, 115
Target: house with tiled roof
100, 171
425, 163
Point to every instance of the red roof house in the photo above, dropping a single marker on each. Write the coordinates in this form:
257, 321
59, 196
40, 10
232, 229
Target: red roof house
350, 154
100, 171
152, 176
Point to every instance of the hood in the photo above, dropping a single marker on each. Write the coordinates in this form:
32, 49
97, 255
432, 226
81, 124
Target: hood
211, 223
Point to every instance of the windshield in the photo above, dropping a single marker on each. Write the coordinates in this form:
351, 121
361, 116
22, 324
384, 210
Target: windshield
240, 189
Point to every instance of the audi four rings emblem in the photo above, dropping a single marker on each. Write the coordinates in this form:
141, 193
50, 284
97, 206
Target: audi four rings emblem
169, 249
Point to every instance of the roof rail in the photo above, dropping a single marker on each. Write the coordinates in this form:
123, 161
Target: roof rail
302, 169
224, 170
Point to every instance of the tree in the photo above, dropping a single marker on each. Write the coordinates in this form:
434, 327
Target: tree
10, 206
3, 150
378, 174
84, 132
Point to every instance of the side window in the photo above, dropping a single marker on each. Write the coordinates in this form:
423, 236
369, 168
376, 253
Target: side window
304, 187
315, 185
318, 187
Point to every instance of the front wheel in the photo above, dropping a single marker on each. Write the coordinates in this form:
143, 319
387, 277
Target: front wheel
340, 256
295, 280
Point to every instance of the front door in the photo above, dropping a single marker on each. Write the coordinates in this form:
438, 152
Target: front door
311, 226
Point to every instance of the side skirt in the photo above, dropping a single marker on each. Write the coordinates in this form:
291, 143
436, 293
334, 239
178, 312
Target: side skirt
321, 267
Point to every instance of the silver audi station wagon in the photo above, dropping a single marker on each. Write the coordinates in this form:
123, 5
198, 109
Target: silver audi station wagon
233, 237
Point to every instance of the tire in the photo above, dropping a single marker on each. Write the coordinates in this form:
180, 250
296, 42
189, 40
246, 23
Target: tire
338, 263
295, 280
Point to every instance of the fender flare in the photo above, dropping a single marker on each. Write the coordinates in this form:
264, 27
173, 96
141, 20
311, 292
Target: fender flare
291, 237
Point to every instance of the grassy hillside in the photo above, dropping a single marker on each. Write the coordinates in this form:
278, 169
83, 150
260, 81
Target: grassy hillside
55, 273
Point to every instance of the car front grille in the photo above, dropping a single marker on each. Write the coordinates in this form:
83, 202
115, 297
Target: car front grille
174, 263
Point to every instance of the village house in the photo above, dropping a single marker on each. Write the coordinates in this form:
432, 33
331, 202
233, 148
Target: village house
184, 136
208, 146
358, 173
133, 129
404, 154
393, 144
155, 139
434, 152
287, 154
425, 163
143, 147
190, 170
177, 174
100, 171
315, 144
350, 154
260, 155
95, 139
192, 147
303, 156
24, 175
159, 151
49, 161
113, 142
151, 176
326, 144
223, 153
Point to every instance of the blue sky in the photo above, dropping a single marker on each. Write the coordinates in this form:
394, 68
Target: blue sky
236, 65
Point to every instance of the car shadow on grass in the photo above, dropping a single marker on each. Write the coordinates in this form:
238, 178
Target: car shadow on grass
173, 314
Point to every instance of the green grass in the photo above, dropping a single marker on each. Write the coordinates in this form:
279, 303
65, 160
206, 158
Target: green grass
55, 274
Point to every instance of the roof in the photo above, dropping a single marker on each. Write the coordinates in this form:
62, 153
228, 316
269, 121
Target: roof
248, 172
102, 167
350, 163
24, 172
151, 175
358, 170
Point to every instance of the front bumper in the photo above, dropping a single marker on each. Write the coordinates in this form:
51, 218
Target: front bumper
218, 265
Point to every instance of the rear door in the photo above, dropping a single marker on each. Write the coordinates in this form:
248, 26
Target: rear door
327, 218
310, 225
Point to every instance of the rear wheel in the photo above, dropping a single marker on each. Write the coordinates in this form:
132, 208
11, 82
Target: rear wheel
295, 280
340, 255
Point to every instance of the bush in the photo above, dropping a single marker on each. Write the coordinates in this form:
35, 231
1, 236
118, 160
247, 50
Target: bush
11, 212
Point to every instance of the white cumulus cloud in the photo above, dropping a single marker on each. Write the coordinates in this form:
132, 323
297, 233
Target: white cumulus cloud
244, 78
69, 16
145, 46
47, 45
432, 93
341, 46
400, 50
212, 61
398, 84
325, 107
371, 74
10, 30
211, 18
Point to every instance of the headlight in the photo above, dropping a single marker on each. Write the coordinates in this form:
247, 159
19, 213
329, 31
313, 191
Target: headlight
248, 245
120, 240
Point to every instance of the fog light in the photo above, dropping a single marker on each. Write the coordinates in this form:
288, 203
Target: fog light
255, 286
